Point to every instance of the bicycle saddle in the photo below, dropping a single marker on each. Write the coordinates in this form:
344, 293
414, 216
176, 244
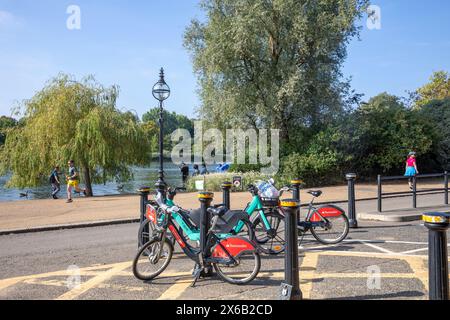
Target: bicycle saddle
220, 211
227, 219
315, 193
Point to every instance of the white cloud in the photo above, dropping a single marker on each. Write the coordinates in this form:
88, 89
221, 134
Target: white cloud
7, 19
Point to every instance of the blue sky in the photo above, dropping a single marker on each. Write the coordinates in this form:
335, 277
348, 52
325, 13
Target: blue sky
126, 42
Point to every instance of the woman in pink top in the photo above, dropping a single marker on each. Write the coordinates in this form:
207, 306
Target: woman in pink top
411, 168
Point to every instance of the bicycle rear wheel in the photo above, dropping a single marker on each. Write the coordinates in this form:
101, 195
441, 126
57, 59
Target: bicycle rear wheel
271, 241
334, 230
244, 271
147, 265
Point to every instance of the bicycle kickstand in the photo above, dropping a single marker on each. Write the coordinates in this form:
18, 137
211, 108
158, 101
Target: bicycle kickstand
197, 273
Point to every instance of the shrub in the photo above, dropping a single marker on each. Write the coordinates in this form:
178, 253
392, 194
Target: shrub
214, 181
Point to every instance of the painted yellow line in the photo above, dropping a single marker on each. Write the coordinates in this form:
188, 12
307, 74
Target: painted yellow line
4, 283
417, 265
307, 271
84, 287
175, 291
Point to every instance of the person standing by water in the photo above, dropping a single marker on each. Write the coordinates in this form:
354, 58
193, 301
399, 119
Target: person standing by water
411, 168
73, 181
184, 172
196, 171
56, 184
204, 169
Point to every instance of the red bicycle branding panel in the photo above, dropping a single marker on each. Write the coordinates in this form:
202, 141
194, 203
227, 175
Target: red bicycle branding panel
234, 245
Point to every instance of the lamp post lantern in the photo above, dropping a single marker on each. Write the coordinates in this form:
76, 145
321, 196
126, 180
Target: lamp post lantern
161, 92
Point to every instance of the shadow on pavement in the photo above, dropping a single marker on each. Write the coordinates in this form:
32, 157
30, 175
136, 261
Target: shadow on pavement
402, 294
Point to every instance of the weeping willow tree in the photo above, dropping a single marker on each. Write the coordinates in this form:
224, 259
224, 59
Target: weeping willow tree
77, 120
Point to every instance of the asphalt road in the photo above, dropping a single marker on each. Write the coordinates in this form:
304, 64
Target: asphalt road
35, 266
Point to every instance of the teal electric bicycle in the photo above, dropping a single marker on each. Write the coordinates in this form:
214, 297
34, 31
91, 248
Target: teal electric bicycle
261, 221
189, 222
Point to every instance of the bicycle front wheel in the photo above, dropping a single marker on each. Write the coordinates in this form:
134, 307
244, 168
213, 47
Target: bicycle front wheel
332, 231
145, 231
244, 271
151, 261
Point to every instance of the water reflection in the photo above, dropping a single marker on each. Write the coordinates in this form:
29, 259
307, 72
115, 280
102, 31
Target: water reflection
142, 177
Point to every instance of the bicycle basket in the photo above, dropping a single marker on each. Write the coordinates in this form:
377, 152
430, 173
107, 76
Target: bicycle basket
270, 202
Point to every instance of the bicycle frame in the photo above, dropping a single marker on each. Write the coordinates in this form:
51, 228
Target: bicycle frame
194, 234
194, 253
254, 205
316, 217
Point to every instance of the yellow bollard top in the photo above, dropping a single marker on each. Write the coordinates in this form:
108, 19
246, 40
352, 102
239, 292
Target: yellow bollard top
205, 195
436, 217
296, 181
290, 203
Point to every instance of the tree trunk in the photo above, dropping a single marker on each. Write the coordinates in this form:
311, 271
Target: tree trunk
87, 181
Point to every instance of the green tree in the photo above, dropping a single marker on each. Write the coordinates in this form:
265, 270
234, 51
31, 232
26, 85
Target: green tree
75, 120
6, 123
172, 122
273, 63
437, 89
373, 139
437, 112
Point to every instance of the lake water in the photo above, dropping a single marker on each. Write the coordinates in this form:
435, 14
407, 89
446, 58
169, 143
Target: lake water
142, 177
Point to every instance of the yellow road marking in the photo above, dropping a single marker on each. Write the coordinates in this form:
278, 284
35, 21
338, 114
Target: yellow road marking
309, 266
84, 287
308, 273
420, 272
175, 291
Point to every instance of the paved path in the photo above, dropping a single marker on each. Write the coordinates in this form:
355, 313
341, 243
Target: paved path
37, 213
377, 261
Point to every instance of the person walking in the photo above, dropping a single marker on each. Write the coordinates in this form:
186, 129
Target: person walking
196, 171
204, 169
56, 184
411, 168
73, 181
184, 172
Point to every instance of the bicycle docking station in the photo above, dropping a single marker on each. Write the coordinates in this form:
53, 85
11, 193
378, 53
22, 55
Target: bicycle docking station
226, 189
143, 193
353, 222
290, 288
205, 271
295, 187
437, 223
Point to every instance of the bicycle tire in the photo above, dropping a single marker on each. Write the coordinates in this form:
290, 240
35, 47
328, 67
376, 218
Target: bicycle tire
143, 238
341, 237
137, 273
239, 281
262, 241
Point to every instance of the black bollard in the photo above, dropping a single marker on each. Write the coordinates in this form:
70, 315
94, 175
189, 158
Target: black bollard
351, 178
226, 188
295, 185
380, 193
437, 224
205, 199
290, 289
446, 187
144, 192
414, 191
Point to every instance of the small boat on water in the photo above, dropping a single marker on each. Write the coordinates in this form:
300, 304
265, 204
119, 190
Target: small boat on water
223, 167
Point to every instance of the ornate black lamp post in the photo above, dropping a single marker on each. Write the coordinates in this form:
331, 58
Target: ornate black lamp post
161, 92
